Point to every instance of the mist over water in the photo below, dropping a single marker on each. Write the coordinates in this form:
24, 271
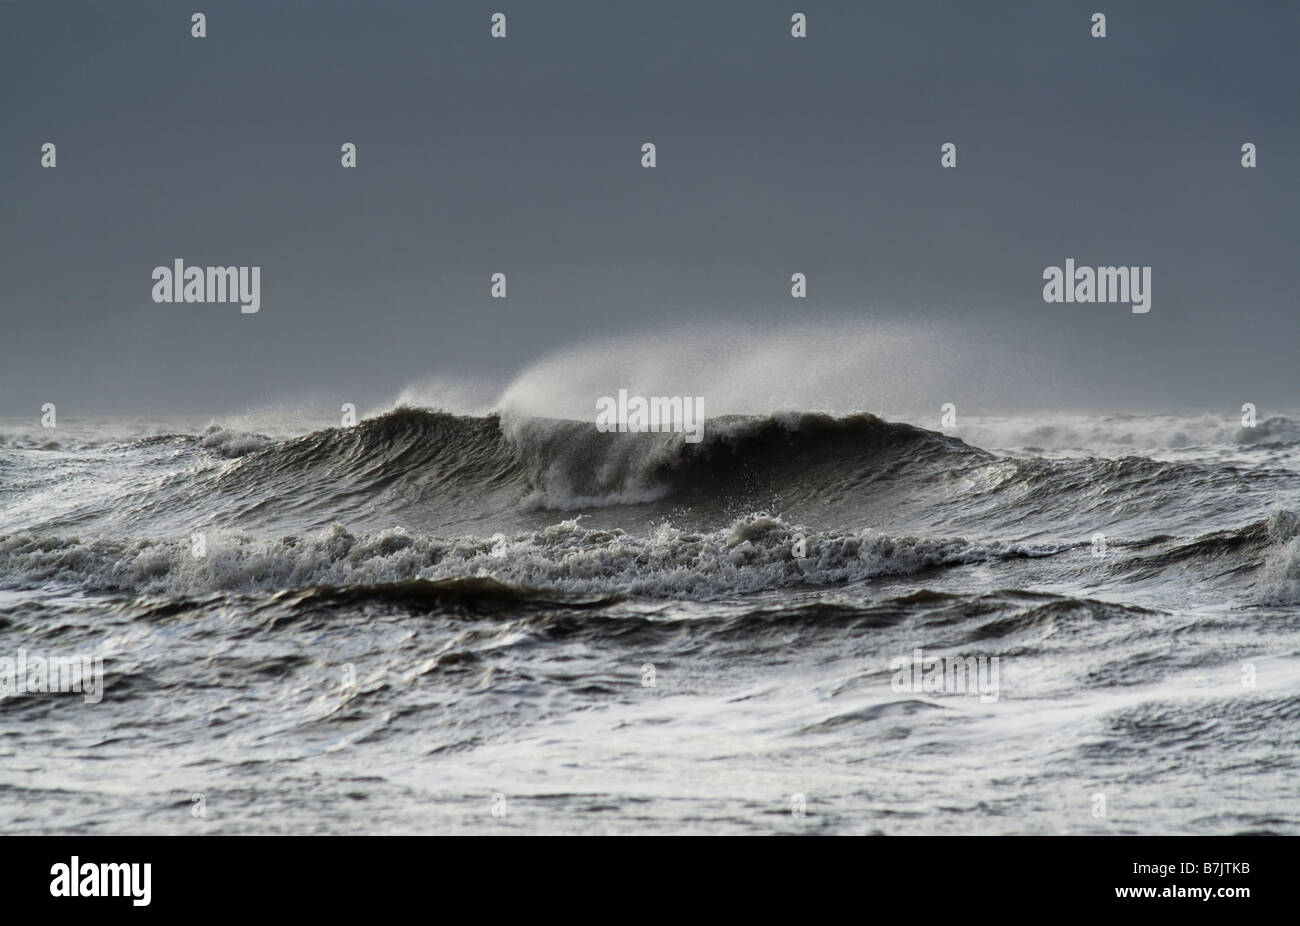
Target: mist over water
837, 366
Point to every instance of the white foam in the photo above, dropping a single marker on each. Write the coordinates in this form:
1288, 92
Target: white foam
754, 553
1112, 434
1280, 582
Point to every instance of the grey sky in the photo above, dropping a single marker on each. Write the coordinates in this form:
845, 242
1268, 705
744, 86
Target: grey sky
522, 155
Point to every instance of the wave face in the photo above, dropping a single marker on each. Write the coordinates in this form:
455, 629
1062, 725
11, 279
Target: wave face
425, 608
435, 472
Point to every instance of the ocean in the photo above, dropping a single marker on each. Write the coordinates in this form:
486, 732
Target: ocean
802, 624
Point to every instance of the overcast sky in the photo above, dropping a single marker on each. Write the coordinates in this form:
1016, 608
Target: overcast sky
775, 155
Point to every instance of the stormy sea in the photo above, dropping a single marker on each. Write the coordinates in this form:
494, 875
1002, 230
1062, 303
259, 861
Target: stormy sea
428, 622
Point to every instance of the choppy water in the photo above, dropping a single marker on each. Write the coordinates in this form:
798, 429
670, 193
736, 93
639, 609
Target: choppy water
404, 625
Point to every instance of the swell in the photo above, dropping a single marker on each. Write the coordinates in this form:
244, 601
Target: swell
433, 472
440, 472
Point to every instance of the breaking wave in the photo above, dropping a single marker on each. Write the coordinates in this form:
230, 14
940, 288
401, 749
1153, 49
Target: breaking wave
756, 553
